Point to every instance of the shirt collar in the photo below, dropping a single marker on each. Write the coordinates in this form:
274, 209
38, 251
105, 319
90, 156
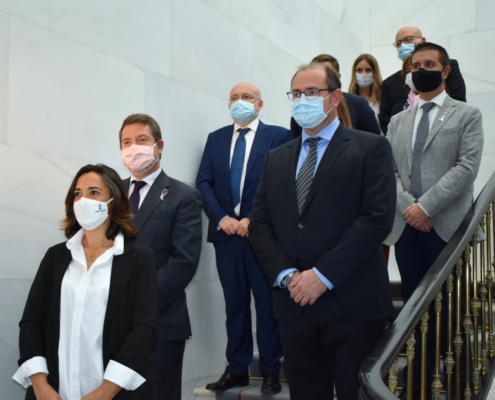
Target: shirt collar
438, 100
326, 133
149, 179
253, 125
74, 244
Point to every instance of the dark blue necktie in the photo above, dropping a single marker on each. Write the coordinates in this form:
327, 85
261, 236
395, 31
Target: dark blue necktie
236, 166
135, 196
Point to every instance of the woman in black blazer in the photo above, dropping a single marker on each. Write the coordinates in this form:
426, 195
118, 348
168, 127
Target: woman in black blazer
89, 325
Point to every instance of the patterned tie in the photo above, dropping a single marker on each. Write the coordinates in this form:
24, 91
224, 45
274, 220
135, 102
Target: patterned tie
421, 135
135, 197
306, 173
236, 166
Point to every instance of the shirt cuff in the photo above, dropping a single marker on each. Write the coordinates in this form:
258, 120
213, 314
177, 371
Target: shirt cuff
278, 281
426, 212
218, 226
30, 367
123, 376
327, 283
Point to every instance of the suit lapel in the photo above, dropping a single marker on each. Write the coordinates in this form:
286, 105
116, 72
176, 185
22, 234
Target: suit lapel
290, 173
226, 145
339, 142
448, 108
259, 140
121, 272
408, 133
157, 193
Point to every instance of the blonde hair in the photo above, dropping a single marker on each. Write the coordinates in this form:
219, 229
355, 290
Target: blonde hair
376, 89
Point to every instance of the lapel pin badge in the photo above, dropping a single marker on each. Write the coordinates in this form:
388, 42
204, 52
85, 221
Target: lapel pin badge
443, 116
164, 193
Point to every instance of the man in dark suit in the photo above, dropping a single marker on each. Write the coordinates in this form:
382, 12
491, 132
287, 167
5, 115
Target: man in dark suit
323, 207
168, 216
393, 88
227, 178
362, 115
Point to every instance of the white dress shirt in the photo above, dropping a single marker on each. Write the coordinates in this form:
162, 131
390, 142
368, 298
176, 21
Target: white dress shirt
146, 188
438, 100
253, 126
83, 305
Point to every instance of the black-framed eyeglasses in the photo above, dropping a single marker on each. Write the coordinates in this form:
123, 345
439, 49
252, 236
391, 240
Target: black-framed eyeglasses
310, 94
406, 40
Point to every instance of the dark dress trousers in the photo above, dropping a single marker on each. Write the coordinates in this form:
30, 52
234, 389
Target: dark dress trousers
129, 329
348, 212
393, 92
238, 268
362, 116
169, 222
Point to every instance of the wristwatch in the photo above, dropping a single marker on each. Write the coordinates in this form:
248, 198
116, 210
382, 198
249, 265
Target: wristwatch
286, 279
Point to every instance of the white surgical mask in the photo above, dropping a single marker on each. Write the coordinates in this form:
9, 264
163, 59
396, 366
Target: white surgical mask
409, 81
90, 214
364, 80
139, 159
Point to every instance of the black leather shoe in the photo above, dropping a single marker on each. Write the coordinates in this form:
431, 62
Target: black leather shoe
271, 384
228, 381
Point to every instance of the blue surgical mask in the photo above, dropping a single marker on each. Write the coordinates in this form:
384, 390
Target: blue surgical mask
405, 50
309, 113
242, 111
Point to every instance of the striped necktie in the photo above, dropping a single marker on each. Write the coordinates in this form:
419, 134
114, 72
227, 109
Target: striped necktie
306, 173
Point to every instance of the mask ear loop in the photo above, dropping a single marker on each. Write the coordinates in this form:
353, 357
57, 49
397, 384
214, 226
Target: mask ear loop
327, 98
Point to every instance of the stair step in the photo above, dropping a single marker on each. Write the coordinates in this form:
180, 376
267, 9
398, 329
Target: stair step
254, 368
253, 391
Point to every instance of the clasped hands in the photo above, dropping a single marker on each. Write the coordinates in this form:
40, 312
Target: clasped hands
417, 218
306, 287
231, 226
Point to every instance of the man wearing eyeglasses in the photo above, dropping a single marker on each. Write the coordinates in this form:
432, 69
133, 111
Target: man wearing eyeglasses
393, 87
323, 207
227, 178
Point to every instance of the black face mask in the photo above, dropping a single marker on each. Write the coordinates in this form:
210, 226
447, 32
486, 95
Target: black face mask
427, 81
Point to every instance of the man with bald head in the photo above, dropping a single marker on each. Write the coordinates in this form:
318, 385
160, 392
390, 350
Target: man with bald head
393, 88
227, 178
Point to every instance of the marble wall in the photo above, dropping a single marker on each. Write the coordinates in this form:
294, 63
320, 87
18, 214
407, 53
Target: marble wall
70, 72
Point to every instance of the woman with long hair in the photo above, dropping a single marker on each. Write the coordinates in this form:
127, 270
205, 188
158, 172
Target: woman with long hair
89, 325
366, 81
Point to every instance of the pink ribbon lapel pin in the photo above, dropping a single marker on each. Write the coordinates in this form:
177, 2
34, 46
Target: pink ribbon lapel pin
164, 193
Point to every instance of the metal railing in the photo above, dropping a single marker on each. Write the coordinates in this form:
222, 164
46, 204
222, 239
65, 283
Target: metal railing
465, 267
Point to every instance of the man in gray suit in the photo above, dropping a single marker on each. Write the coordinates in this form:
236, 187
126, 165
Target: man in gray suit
437, 147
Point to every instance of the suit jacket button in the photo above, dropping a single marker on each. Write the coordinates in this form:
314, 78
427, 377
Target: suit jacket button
409, 176
300, 226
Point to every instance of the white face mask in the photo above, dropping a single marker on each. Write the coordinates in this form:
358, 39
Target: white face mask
364, 80
91, 213
139, 159
409, 81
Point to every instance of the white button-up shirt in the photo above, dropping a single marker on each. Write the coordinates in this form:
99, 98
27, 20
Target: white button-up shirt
146, 188
83, 305
249, 137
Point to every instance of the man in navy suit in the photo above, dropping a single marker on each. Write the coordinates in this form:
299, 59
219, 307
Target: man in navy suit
227, 178
168, 216
362, 115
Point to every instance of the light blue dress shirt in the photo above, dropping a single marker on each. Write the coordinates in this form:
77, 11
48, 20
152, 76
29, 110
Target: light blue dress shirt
326, 135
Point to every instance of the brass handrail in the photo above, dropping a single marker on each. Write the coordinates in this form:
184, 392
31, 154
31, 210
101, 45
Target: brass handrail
376, 367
